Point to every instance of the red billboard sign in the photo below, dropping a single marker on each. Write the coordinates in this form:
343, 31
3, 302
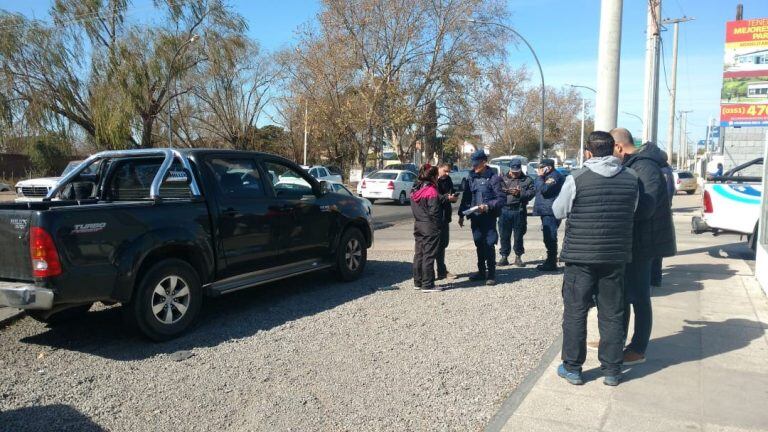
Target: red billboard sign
744, 95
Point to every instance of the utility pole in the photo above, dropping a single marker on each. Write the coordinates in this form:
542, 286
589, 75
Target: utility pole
673, 88
682, 156
608, 65
651, 95
306, 114
583, 118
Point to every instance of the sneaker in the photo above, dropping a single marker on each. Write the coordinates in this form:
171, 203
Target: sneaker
594, 346
612, 380
519, 261
432, 290
572, 377
503, 261
477, 277
416, 286
632, 358
490, 282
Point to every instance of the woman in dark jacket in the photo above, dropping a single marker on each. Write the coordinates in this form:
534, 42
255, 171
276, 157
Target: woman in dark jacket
426, 204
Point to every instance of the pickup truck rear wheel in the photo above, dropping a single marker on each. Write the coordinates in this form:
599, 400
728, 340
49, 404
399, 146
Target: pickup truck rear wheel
351, 255
166, 301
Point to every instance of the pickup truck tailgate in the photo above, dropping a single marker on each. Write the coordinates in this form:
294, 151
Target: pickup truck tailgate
14, 244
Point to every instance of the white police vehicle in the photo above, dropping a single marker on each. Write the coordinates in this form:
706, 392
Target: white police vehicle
731, 203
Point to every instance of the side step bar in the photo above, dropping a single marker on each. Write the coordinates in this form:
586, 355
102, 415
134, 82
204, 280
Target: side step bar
261, 277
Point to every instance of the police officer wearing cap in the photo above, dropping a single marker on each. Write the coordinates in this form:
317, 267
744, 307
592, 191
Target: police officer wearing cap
519, 189
548, 185
481, 202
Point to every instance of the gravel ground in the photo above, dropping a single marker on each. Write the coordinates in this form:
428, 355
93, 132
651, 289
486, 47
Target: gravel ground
307, 354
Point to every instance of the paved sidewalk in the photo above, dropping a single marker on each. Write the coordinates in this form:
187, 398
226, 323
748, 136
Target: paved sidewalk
707, 367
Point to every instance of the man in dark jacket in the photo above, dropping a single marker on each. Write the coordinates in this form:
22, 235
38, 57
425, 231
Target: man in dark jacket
514, 215
599, 201
653, 236
448, 192
548, 185
480, 203
657, 263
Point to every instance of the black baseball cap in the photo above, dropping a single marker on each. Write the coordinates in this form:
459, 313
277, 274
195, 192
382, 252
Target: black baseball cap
547, 163
515, 165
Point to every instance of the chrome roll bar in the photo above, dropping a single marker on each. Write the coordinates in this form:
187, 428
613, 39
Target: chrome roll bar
154, 190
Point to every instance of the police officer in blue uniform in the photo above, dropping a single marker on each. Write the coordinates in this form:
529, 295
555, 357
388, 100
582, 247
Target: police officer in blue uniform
548, 185
481, 203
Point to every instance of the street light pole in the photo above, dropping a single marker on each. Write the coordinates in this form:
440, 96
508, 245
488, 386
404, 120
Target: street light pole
192, 39
583, 118
541, 73
651, 96
673, 85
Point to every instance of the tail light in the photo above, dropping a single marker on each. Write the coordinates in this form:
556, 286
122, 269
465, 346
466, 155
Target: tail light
707, 202
391, 185
42, 250
362, 186
679, 181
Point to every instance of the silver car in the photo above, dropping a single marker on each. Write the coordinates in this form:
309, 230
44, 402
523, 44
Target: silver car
685, 181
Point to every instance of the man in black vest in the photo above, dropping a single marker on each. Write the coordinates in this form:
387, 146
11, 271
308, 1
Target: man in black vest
654, 236
599, 201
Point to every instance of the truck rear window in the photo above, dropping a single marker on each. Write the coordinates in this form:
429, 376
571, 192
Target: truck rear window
131, 180
684, 175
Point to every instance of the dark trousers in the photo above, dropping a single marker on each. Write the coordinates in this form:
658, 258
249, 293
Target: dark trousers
513, 220
656, 265
445, 238
427, 245
637, 283
549, 226
580, 283
485, 236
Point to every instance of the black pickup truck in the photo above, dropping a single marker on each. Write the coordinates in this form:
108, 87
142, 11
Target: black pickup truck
159, 230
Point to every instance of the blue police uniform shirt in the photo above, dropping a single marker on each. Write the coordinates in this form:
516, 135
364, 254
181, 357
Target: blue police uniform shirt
485, 188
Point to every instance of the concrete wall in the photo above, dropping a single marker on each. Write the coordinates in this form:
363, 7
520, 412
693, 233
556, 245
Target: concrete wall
742, 145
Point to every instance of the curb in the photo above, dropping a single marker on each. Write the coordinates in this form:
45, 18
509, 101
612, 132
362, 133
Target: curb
513, 401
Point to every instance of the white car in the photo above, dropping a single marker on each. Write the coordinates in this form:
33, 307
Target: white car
323, 173
37, 188
360, 183
457, 177
388, 184
684, 181
501, 163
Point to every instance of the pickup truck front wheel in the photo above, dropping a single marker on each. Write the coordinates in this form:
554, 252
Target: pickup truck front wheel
167, 300
351, 255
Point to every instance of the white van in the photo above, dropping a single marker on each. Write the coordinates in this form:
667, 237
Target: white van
501, 163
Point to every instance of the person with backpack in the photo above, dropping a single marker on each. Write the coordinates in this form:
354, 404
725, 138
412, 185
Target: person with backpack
428, 214
481, 203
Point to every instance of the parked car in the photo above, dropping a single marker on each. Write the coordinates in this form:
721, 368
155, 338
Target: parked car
685, 181
501, 163
5, 187
457, 177
731, 203
403, 166
389, 184
37, 188
342, 190
323, 173
159, 229
367, 173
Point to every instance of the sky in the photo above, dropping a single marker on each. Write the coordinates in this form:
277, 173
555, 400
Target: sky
564, 34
